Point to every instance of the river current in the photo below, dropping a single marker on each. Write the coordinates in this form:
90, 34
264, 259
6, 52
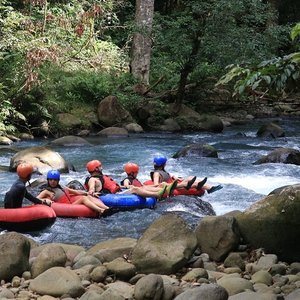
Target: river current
243, 182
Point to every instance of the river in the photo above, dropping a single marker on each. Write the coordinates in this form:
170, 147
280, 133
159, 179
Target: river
238, 147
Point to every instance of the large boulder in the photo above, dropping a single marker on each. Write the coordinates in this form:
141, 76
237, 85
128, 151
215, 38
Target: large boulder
189, 119
217, 236
270, 130
14, 255
165, 247
281, 155
42, 158
273, 223
201, 150
111, 113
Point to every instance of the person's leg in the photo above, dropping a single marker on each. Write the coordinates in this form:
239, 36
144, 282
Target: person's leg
98, 202
85, 200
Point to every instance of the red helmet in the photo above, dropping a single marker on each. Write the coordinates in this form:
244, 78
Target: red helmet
131, 168
93, 165
24, 170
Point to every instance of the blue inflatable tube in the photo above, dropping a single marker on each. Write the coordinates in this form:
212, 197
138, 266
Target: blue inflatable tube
127, 201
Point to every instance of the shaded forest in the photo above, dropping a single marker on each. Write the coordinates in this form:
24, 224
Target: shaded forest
66, 56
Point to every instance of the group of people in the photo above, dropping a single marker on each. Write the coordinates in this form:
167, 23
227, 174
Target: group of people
96, 184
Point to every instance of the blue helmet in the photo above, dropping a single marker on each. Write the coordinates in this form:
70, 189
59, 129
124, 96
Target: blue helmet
159, 160
53, 174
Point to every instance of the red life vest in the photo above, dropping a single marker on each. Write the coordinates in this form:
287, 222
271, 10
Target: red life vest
133, 181
109, 186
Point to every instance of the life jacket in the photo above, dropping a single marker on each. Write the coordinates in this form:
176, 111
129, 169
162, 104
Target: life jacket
109, 186
133, 181
165, 176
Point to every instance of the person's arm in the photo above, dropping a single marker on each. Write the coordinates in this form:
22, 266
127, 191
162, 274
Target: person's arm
77, 192
156, 178
36, 200
126, 183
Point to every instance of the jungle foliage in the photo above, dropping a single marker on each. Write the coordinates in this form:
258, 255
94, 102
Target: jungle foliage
56, 56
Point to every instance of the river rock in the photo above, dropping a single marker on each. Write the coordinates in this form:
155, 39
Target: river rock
50, 256
170, 125
150, 287
86, 260
14, 255
201, 150
109, 250
121, 268
270, 130
42, 158
70, 141
207, 292
273, 223
118, 290
113, 132
5, 140
71, 251
281, 155
110, 112
134, 128
56, 282
165, 247
217, 236
235, 285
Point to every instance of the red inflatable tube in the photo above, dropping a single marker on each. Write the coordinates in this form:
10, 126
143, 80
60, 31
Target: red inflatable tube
73, 210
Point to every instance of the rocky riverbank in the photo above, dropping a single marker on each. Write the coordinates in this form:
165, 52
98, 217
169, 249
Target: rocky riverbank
165, 263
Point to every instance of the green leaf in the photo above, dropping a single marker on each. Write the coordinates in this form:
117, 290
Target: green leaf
295, 31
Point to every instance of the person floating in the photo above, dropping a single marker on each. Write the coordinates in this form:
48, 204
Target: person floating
134, 186
57, 193
14, 197
159, 174
97, 183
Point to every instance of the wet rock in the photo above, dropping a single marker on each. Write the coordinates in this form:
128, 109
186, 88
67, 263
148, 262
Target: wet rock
235, 285
134, 128
42, 158
270, 130
113, 132
5, 140
281, 155
70, 141
201, 150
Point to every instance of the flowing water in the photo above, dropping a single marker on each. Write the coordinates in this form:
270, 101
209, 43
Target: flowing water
238, 147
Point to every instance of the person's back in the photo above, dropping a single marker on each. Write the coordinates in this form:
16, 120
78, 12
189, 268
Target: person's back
14, 197
96, 182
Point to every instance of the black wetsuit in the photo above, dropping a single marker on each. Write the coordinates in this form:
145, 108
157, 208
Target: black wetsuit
14, 197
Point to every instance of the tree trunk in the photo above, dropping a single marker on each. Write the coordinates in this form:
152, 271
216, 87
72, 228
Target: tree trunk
141, 45
188, 67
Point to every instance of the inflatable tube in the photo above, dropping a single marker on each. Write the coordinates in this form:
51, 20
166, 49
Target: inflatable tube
27, 218
73, 210
177, 192
128, 201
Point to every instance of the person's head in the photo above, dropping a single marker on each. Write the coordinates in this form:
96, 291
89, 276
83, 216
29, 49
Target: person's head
24, 171
94, 166
131, 169
159, 161
53, 177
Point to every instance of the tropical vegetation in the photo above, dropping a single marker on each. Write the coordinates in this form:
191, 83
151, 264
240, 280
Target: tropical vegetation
58, 56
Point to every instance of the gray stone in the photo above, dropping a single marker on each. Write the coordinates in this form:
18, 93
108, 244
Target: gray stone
295, 295
56, 282
149, 287
14, 255
163, 250
217, 236
113, 131
206, 291
262, 276
235, 285
195, 274
86, 260
51, 256
234, 260
99, 273
121, 268
70, 141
